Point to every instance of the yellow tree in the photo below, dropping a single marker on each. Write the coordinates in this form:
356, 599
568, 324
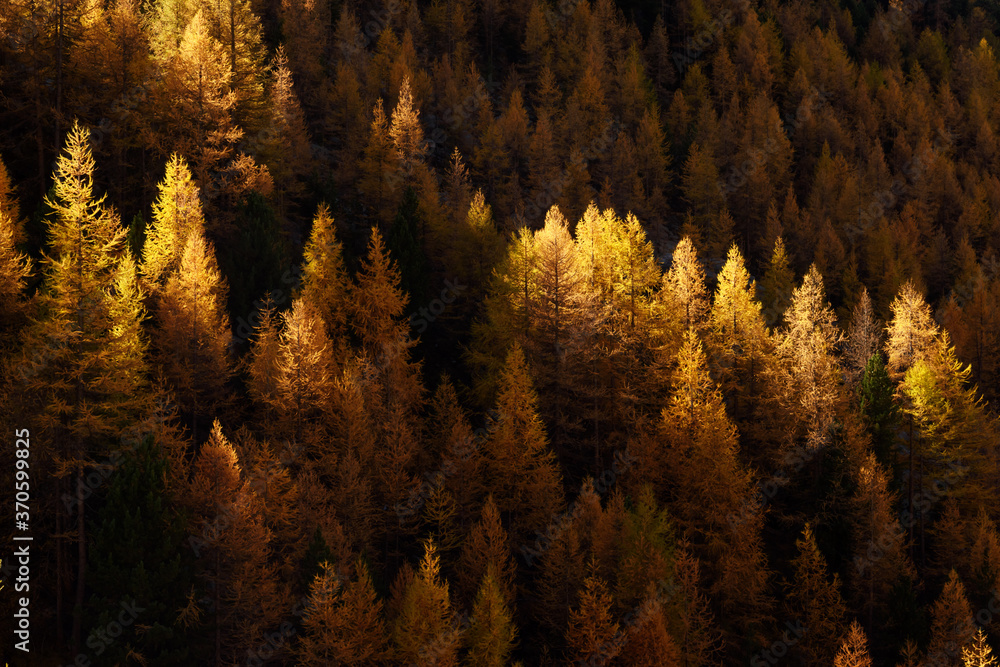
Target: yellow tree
233, 547
713, 495
283, 143
193, 336
492, 633
522, 471
406, 131
196, 105
15, 267
422, 631
853, 650
325, 282
952, 625
739, 338
176, 214
304, 374
979, 653
376, 183
592, 627
564, 320
808, 377
683, 299
84, 355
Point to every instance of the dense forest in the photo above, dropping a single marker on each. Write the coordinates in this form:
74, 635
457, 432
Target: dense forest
461, 332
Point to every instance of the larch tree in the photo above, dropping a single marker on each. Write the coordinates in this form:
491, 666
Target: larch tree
952, 625
377, 183
343, 621
684, 294
564, 320
809, 375
910, 338
738, 337
487, 548
176, 214
284, 142
15, 267
979, 653
911, 332
423, 632
777, 284
406, 132
522, 470
195, 113
84, 354
325, 282
592, 627
304, 375
713, 495
232, 546
192, 335
853, 651
864, 338
492, 633
879, 542
815, 600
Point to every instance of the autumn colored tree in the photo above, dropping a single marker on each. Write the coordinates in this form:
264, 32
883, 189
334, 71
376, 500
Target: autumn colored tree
423, 631
325, 282
492, 633
853, 650
952, 626
84, 356
815, 601
522, 470
979, 654
343, 621
193, 331
176, 214
739, 339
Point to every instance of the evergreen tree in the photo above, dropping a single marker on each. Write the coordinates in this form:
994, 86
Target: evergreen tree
492, 633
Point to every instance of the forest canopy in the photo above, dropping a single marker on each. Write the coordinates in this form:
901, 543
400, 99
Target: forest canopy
367, 332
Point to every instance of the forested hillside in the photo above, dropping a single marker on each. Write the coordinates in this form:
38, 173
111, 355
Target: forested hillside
525, 333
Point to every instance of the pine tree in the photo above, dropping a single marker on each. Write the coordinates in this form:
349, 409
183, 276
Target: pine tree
325, 282
137, 556
952, 626
83, 358
738, 338
592, 629
815, 601
979, 654
492, 633
777, 284
343, 622
423, 632
876, 400
193, 331
854, 649
176, 214
487, 549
